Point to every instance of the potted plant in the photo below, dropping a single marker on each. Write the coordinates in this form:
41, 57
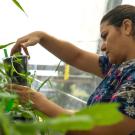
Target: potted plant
16, 68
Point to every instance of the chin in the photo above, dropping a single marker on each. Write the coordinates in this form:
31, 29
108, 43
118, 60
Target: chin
117, 59
114, 61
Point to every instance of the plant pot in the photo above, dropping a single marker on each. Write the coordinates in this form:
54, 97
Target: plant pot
16, 69
23, 119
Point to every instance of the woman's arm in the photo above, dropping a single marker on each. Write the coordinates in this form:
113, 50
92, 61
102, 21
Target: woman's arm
46, 106
65, 51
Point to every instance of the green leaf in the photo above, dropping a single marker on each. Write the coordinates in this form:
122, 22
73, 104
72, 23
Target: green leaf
28, 114
40, 115
50, 83
9, 105
103, 113
97, 115
6, 95
18, 5
29, 127
58, 66
5, 124
3, 46
85, 119
84, 122
1, 71
42, 84
48, 79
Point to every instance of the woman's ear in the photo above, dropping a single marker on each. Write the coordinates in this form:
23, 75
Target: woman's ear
127, 27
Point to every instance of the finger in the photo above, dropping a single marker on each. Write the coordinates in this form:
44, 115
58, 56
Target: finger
26, 51
16, 87
23, 96
16, 48
22, 92
29, 42
21, 88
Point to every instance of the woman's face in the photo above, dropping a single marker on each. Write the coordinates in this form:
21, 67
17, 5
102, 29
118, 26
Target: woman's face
114, 43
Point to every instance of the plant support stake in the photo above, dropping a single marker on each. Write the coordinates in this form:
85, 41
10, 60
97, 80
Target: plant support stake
5, 53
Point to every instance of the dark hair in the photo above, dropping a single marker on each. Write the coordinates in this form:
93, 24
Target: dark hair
118, 14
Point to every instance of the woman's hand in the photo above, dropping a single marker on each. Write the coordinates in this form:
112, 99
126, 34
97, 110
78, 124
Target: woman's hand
26, 41
40, 102
25, 93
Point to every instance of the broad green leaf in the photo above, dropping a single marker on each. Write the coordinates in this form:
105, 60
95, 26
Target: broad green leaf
103, 113
29, 127
5, 123
85, 119
57, 124
84, 122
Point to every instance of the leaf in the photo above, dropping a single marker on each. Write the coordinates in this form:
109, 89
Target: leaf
1, 71
97, 115
82, 122
9, 105
7, 96
40, 115
28, 114
63, 124
103, 113
3, 46
29, 127
5, 123
58, 66
42, 84
18, 5
48, 79
50, 83
85, 119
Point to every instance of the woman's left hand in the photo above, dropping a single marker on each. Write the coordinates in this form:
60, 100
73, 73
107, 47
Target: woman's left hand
25, 93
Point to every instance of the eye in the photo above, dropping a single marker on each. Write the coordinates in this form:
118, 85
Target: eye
104, 35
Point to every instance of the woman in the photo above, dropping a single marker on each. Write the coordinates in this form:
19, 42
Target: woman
117, 68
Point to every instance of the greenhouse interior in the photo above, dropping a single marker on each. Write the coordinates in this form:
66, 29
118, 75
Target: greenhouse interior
53, 92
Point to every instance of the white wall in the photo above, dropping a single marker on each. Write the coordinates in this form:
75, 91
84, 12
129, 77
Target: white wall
74, 20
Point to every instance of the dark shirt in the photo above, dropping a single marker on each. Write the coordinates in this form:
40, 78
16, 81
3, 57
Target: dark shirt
118, 85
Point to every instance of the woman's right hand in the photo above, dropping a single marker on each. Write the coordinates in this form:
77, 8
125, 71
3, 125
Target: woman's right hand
26, 41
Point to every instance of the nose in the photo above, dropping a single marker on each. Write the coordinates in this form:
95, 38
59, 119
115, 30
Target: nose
103, 46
